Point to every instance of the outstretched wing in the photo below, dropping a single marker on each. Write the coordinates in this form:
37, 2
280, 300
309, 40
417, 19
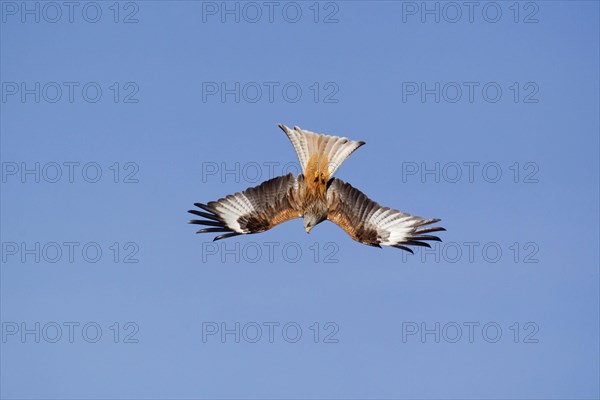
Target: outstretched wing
369, 223
255, 209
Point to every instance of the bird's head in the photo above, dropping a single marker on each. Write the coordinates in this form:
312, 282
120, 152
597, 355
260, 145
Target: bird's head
310, 220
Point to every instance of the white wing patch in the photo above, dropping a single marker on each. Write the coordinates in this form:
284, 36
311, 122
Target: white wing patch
399, 229
232, 208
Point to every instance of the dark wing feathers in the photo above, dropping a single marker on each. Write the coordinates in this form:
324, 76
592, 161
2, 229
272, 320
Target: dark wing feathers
254, 210
369, 223
203, 214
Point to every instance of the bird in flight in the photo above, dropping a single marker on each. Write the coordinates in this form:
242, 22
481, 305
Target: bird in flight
315, 196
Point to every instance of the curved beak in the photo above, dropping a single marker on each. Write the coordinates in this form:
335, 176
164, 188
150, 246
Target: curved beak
307, 228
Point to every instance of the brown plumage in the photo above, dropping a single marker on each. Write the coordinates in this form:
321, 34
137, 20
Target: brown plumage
316, 196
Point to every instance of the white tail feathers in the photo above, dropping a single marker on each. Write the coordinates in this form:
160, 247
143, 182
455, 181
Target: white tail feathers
307, 144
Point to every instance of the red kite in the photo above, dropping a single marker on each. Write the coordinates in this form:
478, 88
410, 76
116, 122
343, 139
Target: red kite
316, 196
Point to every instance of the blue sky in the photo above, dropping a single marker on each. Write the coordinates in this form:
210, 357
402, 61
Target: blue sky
110, 131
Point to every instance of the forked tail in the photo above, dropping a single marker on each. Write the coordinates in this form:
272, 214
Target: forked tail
320, 155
